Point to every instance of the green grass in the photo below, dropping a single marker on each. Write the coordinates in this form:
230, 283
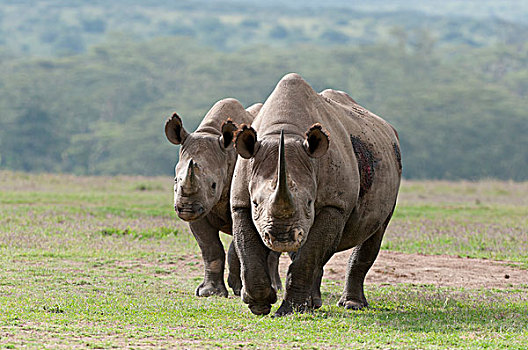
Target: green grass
104, 263
481, 220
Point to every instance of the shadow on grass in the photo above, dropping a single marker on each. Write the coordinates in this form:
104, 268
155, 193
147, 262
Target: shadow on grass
426, 308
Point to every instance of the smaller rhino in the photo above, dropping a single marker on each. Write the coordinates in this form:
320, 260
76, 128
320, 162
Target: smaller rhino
202, 185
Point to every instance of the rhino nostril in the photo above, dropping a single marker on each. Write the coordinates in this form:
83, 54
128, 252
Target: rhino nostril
269, 237
296, 235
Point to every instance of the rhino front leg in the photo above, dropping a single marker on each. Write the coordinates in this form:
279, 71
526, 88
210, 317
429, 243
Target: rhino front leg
214, 258
315, 301
234, 281
305, 272
359, 263
257, 291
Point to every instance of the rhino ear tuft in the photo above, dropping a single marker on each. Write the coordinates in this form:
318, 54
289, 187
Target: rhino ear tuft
228, 133
174, 130
246, 142
317, 141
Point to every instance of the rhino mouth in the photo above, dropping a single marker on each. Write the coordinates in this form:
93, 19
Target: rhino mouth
289, 241
189, 212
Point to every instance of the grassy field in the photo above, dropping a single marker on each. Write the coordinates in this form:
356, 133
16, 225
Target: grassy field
97, 262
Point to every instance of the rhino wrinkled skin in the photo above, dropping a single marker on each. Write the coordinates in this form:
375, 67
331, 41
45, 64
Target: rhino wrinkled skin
319, 174
202, 188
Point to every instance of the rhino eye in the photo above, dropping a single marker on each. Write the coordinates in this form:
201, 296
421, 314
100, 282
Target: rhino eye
213, 186
309, 202
255, 204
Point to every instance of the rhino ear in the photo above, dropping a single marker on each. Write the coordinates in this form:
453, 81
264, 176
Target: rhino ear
316, 142
174, 130
246, 143
228, 133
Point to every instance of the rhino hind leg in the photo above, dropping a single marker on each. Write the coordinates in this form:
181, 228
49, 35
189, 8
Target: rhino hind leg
359, 263
233, 280
273, 265
316, 301
214, 259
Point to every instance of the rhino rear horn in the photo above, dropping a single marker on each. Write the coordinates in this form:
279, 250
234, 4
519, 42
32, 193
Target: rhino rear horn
246, 143
174, 130
316, 142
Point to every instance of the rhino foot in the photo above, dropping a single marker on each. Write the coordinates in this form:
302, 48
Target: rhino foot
284, 310
210, 289
288, 308
262, 305
260, 309
316, 303
353, 304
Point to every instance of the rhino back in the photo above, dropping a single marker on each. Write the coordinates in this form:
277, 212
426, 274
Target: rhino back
221, 111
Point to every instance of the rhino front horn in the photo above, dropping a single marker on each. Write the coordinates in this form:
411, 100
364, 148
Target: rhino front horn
189, 185
282, 201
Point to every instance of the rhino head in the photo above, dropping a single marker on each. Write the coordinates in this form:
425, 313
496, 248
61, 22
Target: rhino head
283, 183
202, 172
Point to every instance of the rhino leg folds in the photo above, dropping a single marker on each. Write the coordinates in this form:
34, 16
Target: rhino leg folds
214, 259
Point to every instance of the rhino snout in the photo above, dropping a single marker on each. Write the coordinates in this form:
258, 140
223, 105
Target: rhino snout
189, 212
285, 241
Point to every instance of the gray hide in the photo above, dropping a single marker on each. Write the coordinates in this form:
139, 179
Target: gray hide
202, 188
321, 174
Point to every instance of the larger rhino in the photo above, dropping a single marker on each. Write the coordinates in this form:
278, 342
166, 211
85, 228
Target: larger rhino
321, 176
202, 187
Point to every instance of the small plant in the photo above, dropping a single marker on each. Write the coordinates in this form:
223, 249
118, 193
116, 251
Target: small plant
111, 231
142, 186
55, 309
157, 232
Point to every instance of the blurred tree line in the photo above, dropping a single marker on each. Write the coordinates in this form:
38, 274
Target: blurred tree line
460, 107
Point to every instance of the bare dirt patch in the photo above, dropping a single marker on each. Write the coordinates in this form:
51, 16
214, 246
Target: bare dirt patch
394, 267
440, 270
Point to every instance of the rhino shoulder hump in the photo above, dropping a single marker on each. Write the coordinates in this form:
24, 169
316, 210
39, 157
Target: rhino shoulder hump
338, 96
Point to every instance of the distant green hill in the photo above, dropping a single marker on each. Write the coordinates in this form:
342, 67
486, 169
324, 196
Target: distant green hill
65, 27
85, 86
103, 112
